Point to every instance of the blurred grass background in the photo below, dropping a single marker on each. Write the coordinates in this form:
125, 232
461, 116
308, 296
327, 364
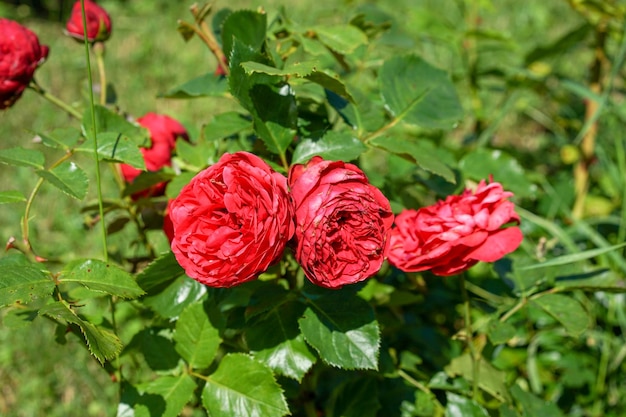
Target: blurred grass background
146, 57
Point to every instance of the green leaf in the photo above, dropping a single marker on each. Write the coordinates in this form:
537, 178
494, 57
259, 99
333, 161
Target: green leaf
458, 406
356, 398
482, 163
157, 349
171, 301
11, 196
62, 138
146, 180
574, 257
598, 280
343, 39
207, 85
22, 157
247, 27
330, 81
102, 343
343, 330
296, 69
276, 115
533, 406
163, 269
196, 338
566, 310
242, 386
115, 147
67, 177
419, 153
490, 379
100, 276
363, 115
274, 339
569, 40
499, 332
335, 146
22, 282
165, 396
419, 93
109, 121
226, 124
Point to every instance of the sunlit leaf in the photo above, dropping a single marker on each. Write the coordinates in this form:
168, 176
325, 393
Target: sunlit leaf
22, 157
334, 146
67, 177
101, 276
22, 282
196, 338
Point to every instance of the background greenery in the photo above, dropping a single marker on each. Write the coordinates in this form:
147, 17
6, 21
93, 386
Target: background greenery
522, 70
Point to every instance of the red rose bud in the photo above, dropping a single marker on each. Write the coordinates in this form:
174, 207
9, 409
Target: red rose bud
98, 22
453, 235
164, 131
20, 55
232, 221
341, 222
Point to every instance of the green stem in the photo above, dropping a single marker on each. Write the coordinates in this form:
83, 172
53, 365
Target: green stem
98, 48
54, 100
467, 312
408, 378
95, 135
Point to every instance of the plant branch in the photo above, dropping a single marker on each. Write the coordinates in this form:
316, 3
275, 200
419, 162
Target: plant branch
470, 337
55, 100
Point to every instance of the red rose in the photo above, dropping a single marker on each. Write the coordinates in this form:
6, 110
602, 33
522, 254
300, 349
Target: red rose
453, 235
20, 55
341, 222
164, 131
98, 22
232, 221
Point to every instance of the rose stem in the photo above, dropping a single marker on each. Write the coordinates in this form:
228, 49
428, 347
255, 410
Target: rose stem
470, 337
98, 49
54, 100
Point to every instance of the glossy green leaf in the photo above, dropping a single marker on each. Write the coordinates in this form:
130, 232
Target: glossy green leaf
295, 69
172, 300
422, 156
566, 310
482, 163
418, 93
102, 343
335, 146
115, 147
163, 269
207, 85
533, 406
574, 257
356, 398
274, 339
11, 196
458, 406
226, 124
22, 282
22, 157
100, 276
196, 338
247, 27
242, 386
362, 114
166, 396
490, 379
330, 81
156, 347
343, 39
343, 330
109, 121
67, 177
62, 138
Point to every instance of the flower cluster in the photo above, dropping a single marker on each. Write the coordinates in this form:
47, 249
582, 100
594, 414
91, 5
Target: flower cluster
234, 219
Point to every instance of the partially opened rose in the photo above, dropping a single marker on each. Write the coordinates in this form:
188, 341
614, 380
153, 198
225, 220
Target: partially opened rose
232, 221
20, 55
164, 132
453, 235
341, 222
98, 22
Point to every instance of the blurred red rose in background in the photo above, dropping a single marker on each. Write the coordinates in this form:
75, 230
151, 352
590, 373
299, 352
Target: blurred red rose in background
341, 222
453, 235
164, 131
98, 22
232, 221
20, 55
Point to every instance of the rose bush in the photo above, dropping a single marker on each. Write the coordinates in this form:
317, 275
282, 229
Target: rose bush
455, 234
20, 55
232, 221
164, 132
341, 222
98, 22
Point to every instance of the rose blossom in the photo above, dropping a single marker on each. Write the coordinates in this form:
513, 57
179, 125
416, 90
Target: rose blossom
232, 221
164, 131
20, 55
341, 222
98, 22
453, 235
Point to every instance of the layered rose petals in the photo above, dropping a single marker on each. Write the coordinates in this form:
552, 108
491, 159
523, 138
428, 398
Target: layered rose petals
98, 22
